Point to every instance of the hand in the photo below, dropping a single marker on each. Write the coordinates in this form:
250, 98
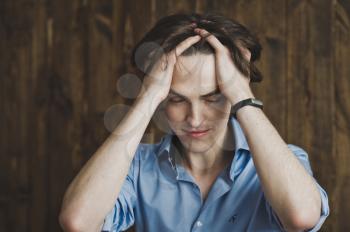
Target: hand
157, 82
232, 83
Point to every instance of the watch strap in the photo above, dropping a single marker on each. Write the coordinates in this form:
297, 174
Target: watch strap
245, 102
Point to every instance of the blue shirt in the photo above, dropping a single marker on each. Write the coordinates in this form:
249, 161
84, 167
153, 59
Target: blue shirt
160, 195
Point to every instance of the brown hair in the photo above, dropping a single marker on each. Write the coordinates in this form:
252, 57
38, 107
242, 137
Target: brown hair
169, 31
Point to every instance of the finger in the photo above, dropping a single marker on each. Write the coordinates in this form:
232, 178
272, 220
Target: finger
180, 48
246, 53
170, 58
213, 41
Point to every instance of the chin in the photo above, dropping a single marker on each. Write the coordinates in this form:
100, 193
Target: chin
196, 145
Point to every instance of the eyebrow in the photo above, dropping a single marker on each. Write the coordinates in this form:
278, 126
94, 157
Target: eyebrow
215, 91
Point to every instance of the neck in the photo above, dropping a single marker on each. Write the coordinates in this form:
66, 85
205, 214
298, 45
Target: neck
211, 161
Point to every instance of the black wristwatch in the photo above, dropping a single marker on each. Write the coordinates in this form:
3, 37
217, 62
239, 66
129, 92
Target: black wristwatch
249, 101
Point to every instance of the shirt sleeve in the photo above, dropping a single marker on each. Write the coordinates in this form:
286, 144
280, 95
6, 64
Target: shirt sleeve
304, 160
121, 217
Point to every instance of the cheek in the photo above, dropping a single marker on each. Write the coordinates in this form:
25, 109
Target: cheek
175, 113
217, 111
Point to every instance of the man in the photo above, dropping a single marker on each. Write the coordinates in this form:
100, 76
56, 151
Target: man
214, 172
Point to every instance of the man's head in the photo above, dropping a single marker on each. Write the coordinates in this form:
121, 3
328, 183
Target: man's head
195, 102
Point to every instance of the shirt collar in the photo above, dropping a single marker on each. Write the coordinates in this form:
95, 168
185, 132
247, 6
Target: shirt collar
165, 144
240, 140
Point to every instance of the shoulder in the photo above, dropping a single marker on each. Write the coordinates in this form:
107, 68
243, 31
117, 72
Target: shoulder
144, 156
146, 151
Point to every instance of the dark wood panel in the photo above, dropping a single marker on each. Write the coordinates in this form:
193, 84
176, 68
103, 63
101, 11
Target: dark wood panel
17, 108
341, 72
68, 69
311, 88
38, 131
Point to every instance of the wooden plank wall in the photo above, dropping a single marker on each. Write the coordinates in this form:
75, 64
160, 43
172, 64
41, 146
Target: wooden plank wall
59, 66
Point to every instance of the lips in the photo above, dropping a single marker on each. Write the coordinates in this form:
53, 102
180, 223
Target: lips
197, 133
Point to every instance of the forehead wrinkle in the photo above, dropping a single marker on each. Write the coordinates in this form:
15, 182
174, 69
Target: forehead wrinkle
190, 68
202, 78
211, 92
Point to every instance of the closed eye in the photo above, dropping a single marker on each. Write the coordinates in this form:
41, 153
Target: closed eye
214, 98
176, 99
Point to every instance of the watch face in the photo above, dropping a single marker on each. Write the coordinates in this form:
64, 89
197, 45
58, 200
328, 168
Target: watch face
256, 101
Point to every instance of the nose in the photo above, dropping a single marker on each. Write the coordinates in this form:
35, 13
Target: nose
195, 116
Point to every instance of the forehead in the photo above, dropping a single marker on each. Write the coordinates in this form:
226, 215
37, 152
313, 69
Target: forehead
194, 74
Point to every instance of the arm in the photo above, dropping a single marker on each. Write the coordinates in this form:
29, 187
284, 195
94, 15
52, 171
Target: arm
290, 190
288, 187
98, 179
94, 190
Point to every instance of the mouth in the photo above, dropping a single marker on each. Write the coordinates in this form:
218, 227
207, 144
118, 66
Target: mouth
197, 133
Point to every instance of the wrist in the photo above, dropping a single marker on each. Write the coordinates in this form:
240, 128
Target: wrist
240, 97
150, 99
247, 112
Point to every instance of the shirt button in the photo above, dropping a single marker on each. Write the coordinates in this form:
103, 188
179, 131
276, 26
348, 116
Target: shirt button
199, 223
